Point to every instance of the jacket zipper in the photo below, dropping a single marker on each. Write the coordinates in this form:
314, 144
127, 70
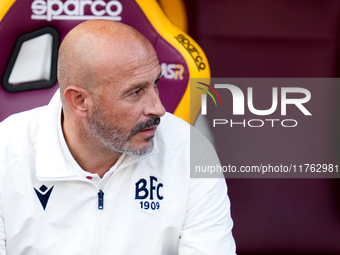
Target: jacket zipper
100, 200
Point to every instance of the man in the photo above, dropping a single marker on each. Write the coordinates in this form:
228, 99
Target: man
96, 172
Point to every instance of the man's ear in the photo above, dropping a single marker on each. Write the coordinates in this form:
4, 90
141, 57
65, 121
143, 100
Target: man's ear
79, 100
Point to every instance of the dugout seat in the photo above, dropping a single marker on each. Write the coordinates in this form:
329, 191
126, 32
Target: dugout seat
31, 32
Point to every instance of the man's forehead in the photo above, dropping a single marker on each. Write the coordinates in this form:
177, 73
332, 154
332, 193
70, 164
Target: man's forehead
130, 76
143, 75
124, 56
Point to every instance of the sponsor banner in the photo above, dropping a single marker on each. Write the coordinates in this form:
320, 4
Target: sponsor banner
269, 127
76, 10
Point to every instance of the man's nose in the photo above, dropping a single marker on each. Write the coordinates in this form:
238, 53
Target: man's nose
154, 106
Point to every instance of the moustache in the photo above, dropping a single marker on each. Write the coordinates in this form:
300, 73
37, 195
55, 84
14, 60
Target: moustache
144, 125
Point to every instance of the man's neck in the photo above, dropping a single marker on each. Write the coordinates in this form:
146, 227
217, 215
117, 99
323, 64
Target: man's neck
87, 152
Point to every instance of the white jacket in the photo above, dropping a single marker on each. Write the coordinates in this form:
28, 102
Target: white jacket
150, 205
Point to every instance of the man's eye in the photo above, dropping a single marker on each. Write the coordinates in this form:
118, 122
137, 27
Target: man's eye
136, 92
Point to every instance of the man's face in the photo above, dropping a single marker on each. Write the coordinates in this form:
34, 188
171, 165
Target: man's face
127, 107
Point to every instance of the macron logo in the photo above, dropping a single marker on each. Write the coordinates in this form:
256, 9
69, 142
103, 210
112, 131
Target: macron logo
76, 10
43, 194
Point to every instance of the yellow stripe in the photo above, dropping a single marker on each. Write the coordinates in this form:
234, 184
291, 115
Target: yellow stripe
175, 10
4, 7
168, 31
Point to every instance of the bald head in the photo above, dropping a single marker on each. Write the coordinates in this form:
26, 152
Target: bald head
95, 45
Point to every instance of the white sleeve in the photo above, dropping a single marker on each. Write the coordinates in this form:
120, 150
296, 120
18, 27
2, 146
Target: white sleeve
2, 230
208, 224
3, 162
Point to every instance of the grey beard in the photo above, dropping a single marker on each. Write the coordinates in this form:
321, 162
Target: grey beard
113, 138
